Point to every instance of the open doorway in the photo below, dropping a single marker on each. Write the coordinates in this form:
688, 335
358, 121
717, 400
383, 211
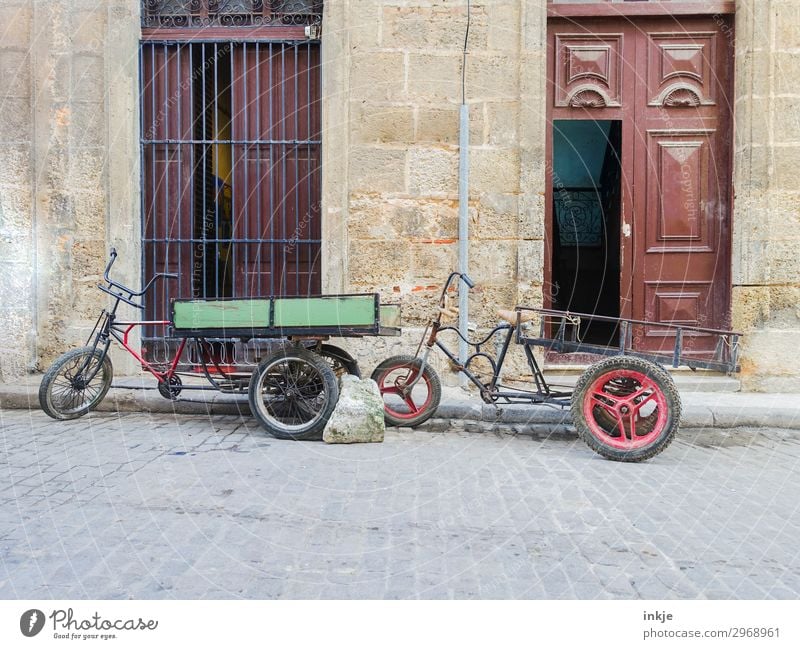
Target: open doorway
586, 222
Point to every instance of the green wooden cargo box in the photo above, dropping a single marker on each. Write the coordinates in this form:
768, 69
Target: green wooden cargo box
278, 317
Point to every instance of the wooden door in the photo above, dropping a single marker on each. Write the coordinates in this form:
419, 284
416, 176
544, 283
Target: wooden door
669, 82
588, 80
680, 240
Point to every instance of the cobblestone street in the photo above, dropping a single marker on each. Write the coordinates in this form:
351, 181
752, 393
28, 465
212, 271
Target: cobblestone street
157, 506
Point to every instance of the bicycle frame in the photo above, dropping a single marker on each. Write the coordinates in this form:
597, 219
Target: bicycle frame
491, 391
121, 336
725, 357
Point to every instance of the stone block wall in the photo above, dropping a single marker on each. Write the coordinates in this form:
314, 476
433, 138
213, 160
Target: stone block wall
404, 89
404, 96
17, 237
68, 179
766, 241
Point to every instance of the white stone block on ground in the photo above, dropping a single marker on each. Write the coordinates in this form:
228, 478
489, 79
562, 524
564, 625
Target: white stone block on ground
358, 416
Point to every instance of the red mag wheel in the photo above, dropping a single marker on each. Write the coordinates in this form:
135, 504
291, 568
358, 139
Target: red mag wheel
404, 406
626, 408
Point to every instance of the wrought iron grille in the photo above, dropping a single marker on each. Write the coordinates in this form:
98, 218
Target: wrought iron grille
579, 216
230, 13
230, 151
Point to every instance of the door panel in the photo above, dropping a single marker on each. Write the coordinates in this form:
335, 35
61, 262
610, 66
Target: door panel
588, 71
677, 302
678, 191
681, 68
682, 174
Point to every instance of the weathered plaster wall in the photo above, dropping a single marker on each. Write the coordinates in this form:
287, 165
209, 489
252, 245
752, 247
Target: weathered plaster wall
17, 177
69, 170
766, 243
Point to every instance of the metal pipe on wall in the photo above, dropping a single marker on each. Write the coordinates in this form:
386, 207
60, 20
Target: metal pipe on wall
463, 208
463, 234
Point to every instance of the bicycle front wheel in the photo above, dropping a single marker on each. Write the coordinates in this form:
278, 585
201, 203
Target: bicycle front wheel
404, 406
75, 383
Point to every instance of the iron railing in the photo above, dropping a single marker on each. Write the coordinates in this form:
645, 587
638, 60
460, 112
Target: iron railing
200, 14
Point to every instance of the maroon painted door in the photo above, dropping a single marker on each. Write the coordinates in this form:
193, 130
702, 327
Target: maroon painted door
167, 131
668, 81
682, 178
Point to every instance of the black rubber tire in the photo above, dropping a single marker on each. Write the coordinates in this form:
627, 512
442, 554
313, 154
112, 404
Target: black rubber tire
339, 360
601, 440
52, 394
429, 376
302, 372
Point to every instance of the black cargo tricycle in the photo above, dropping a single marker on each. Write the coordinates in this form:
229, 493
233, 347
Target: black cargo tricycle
625, 406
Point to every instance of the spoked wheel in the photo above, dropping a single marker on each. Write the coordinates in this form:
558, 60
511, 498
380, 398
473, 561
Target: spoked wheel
340, 361
75, 383
293, 393
404, 405
626, 408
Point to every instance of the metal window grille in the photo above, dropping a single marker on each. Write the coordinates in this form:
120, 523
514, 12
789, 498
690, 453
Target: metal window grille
230, 13
230, 164
579, 216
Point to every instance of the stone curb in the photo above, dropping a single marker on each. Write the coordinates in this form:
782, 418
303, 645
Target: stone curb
713, 415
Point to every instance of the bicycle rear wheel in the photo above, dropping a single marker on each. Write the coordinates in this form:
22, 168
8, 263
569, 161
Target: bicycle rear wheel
293, 393
340, 361
75, 383
626, 408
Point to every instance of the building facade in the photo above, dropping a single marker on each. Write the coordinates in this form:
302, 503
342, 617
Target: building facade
626, 158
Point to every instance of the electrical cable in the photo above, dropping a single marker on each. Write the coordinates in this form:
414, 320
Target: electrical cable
464, 57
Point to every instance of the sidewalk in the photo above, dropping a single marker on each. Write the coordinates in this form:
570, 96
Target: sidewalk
708, 402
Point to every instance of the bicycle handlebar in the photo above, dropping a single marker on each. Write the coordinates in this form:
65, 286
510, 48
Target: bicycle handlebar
121, 287
463, 277
110, 264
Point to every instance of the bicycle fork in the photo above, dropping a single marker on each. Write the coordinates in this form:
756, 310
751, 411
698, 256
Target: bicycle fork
406, 390
101, 336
